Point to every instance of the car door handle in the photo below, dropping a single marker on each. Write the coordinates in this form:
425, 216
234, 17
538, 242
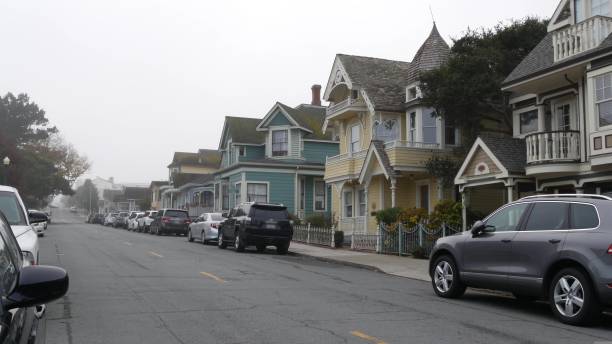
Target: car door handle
506, 241
554, 241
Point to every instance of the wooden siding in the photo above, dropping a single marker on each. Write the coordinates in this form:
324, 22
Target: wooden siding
197, 169
480, 156
279, 119
402, 156
348, 167
319, 151
295, 149
281, 187
254, 153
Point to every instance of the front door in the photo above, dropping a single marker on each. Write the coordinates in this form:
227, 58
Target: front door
486, 256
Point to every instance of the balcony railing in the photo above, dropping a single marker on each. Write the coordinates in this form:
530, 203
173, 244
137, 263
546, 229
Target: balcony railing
554, 146
581, 37
347, 103
411, 144
347, 156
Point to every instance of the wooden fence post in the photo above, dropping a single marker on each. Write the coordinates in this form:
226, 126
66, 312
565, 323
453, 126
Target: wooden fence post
308, 234
379, 239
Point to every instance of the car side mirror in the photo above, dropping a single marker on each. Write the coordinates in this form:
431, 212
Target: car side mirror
37, 217
38, 284
478, 227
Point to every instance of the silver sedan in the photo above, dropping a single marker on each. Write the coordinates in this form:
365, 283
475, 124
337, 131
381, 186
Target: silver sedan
205, 227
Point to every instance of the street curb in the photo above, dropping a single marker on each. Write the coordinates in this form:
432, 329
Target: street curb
342, 262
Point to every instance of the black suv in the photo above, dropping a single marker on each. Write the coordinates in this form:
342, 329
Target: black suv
171, 221
259, 224
555, 247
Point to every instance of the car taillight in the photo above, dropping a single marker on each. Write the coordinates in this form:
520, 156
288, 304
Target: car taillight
610, 249
165, 219
214, 225
187, 221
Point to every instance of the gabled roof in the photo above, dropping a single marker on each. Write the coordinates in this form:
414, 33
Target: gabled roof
310, 117
241, 130
204, 157
541, 59
377, 150
384, 81
158, 183
136, 193
431, 55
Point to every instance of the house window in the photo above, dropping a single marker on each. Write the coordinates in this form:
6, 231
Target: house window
237, 195
563, 117
603, 98
280, 143
362, 203
207, 199
411, 93
355, 139
579, 10
450, 135
429, 128
528, 121
386, 130
241, 151
225, 195
600, 8
412, 127
319, 190
348, 204
257, 192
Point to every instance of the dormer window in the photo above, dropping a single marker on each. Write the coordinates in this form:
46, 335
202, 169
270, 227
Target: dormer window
411, 93
280, 143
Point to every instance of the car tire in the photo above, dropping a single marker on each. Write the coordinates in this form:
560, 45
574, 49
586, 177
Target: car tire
565, 296
445, 278
261, 248
282, 248
220, 242
238, 244
189, 236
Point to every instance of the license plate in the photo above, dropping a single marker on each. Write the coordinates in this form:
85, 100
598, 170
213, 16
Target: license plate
270, 227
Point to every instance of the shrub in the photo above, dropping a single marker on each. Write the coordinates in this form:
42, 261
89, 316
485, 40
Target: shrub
388, 216
412, 216
319, 220
296, 220
446, 212
419, 253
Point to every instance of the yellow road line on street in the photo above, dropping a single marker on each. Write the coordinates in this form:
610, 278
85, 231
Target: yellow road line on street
156, 254
368, 338
216, 278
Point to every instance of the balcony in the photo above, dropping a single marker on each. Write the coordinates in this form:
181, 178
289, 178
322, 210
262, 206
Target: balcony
552, 147
345, 165
581, 37
412, 154
345, 105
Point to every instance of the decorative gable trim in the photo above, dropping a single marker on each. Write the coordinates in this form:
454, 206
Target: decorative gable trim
479, 143
264, 124
555, 23
337, 77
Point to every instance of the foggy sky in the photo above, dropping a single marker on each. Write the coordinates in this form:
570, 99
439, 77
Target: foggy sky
130, 82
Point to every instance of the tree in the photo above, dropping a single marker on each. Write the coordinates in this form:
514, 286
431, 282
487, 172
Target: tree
86, 197
466, 91
22, 121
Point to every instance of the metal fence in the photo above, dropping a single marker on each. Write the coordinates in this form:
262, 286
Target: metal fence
313, 235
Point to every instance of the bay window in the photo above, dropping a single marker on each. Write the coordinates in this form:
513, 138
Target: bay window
257, 192
429, 128
280, 143
412, 127
386, 130
603, 98
319, 195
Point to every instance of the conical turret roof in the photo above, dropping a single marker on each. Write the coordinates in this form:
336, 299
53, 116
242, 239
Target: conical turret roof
431, 55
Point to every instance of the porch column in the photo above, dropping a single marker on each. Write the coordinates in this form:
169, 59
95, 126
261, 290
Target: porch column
393, 189
510, 193
579, 191
367, 207
464, 203
541, 118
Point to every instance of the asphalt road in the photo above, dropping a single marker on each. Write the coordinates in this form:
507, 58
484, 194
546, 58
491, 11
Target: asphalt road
137, 288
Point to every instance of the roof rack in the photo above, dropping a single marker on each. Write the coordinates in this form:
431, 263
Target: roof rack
593, 196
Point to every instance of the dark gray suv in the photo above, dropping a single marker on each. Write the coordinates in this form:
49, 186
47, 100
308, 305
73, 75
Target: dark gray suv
557, 247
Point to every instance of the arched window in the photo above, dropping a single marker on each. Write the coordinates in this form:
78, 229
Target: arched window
386, 130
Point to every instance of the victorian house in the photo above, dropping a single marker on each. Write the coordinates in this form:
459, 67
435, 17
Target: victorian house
561, 96
385, 134
279, 158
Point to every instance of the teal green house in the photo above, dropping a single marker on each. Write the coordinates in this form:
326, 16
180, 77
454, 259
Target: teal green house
277, 159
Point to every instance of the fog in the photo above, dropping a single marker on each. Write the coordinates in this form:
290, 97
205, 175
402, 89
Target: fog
130, 82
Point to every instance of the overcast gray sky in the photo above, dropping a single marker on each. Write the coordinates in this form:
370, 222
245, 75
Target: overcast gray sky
128, 82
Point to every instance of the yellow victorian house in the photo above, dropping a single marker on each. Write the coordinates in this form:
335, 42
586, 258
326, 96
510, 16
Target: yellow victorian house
386, 135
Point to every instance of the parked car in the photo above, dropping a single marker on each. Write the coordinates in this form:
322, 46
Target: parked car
132, 223
555, 247
99, 219
121, 219
259, 224
38, 227
25, 286
73, 209
18, 218
205, 227
144, 223
110, 219
171, 221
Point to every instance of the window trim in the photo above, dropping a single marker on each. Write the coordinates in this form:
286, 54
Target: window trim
365, 203
351, 204
597, 102
288, 136
351, 142
237, 193
314, 196
259, 182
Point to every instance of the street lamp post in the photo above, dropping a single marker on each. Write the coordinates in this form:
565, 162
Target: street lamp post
5, 162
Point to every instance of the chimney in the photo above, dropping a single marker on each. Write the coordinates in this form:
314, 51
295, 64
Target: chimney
316, 95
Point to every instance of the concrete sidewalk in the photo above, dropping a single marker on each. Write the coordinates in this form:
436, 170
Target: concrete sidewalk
392, 265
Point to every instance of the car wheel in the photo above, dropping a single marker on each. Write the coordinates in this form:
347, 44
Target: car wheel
282, 248
572, 298
220, 243
189, 237
261, 248
238, 244
445, 278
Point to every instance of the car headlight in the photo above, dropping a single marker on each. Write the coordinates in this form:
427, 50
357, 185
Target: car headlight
28, 258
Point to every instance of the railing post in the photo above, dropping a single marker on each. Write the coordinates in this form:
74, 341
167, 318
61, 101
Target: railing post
308, 234
353, 241
379, 239
333, 237
420, 229
400, 244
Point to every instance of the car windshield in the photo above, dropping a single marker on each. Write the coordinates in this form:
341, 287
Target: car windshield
9, 205
177, 213
216, 217
264, 213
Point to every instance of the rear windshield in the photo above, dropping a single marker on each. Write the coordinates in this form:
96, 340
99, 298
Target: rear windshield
176, 213
269, 213
216, 217
9, 205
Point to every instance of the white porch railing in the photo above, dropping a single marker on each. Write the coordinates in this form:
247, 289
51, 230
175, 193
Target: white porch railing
332, 109
581, 37
553, 146
410, 144
346, 156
